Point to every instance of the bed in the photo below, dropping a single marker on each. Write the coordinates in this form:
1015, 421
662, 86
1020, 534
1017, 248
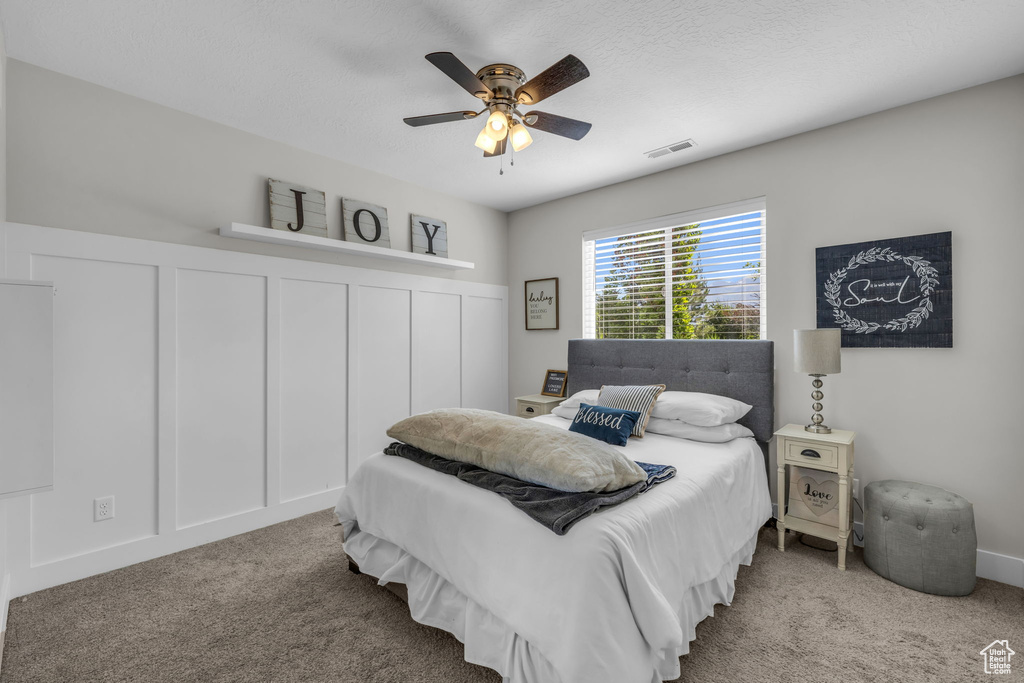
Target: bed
616, 599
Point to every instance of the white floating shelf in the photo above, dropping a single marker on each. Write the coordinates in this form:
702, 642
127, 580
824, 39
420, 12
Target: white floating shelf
294, 239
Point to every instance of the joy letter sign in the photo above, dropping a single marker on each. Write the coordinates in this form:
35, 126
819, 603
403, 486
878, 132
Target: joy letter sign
888, 293
304, 210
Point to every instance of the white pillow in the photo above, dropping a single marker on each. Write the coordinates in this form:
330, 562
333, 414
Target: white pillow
684, 430
702, 410
574, 401
567, 413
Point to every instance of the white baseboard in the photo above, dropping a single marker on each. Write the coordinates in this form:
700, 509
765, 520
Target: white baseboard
992, 566
1001, 568
5, 599
105, 560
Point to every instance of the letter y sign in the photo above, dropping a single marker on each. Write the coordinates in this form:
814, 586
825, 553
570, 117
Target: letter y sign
429, 236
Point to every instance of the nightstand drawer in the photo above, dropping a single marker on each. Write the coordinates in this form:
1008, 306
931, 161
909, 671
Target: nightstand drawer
536, 404
527, 409
828, 454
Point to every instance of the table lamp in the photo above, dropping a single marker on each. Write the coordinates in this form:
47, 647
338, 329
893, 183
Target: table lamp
816, 353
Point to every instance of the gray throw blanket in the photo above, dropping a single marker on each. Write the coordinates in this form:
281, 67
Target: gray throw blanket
556, 510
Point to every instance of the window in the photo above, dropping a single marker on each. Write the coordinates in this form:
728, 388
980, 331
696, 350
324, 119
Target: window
693, 275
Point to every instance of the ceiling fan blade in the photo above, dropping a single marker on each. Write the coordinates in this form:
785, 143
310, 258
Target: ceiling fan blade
440, 118
460, 73
559, 125
499, 148
555, 78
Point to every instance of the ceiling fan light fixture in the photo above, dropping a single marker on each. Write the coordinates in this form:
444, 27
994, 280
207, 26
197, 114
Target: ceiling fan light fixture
502, 87
497, 125
485, 141
521, 138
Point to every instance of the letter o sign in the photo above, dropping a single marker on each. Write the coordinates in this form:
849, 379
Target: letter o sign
359, 231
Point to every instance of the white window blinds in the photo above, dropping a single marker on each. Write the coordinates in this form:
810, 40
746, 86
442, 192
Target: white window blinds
693, 275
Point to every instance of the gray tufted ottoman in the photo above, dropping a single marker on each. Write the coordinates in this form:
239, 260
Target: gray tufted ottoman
920, 536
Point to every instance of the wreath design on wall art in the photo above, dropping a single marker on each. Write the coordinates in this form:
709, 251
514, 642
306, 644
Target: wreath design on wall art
927, 275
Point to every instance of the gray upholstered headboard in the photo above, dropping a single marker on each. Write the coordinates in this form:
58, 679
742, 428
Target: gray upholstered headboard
740, 369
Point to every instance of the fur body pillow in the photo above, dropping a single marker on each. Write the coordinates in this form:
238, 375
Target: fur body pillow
524, 449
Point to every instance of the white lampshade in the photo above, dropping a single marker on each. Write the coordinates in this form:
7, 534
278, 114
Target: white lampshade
521, 138
485, 142
816, 352
497, 125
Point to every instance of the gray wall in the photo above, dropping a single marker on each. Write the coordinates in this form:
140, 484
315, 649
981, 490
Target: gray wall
941, 416
83, 157
3, 212
3, 128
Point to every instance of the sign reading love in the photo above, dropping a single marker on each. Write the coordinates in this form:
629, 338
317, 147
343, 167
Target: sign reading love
820, 497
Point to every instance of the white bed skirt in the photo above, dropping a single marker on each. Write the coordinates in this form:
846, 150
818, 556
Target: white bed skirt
489, 641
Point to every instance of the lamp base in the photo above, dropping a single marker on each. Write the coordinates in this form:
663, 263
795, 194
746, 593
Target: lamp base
817, 426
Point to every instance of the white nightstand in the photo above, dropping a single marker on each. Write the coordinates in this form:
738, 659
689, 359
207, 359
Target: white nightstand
536, 404
825, 453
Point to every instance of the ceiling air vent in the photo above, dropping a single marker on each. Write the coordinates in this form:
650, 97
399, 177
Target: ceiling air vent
668, 149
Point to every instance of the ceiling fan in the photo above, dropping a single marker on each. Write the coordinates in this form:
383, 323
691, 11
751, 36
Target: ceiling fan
504, 89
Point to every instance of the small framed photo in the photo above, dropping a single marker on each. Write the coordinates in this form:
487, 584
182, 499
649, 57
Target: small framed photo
554, 383
542, 304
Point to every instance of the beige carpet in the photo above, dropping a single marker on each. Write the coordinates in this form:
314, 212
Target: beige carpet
279, 605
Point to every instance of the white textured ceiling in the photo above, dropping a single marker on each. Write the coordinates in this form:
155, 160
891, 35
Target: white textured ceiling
336, 77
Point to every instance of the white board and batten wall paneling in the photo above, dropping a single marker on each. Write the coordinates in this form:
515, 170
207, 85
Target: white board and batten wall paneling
221, 424
26, 387
314, 363
437, 349
213, 392
382, 384
105, 356
484, 335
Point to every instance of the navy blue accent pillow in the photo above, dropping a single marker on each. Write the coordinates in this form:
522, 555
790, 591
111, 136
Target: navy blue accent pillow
611, 425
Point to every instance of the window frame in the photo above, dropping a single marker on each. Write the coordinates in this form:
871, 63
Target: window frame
666, 223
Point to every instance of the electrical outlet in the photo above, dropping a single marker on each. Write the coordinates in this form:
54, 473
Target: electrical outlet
856, 489
103, 508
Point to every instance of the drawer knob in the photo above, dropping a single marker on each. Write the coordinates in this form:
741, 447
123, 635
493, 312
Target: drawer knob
810, 453
529, 410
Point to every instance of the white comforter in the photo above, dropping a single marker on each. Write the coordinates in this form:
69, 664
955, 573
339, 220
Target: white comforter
601, 603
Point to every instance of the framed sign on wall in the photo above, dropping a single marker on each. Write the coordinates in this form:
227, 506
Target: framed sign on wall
895, 293
542, 304
429, 236
554, 383
365, 223
297, 208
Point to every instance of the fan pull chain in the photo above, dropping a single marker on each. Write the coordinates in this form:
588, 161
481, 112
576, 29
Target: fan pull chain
501, 165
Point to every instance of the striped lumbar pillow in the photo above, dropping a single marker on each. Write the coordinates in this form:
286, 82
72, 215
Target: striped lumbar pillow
638, 398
